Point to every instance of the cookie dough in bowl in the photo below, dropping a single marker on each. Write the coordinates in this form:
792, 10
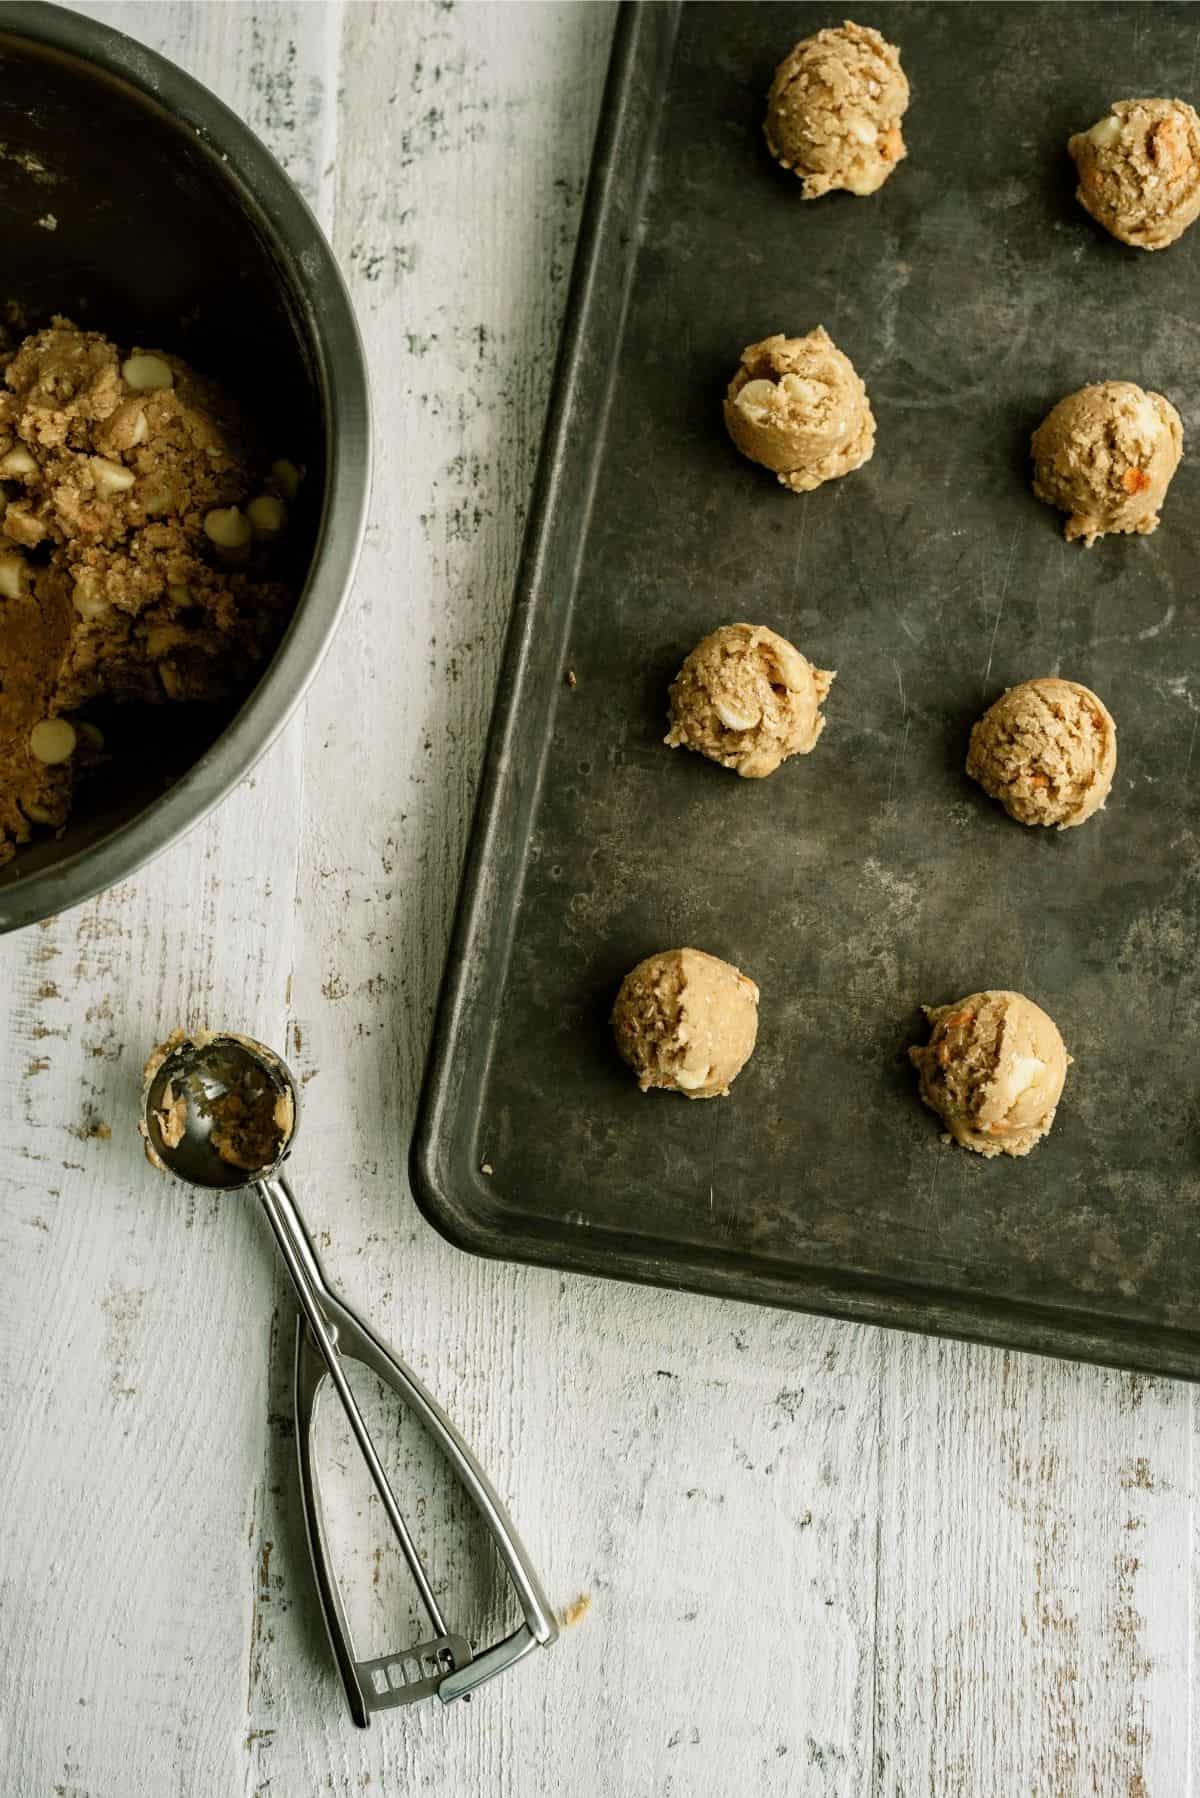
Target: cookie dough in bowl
1047, 750
686, 1022
748, 699
1139, 171
993, 1070
141, 207
139, 527
798, 407
834, 111
1105, 456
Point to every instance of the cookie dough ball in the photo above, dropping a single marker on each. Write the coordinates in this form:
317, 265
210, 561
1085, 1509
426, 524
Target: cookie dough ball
834, 111
993, 1070
748, 699
797, 406
1047, 750
1139, 171
686, 1021
1105, 456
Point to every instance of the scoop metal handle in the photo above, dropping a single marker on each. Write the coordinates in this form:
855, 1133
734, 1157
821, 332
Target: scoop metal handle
328, 1333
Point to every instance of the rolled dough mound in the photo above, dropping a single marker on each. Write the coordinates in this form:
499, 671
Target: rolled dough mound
686, 1021
797, 406
834, 111
748, 699
1139, 171
1105, 456
129, 569
1047, 750
993, 1070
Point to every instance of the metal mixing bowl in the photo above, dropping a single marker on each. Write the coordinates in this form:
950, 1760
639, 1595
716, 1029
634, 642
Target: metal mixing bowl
173, 226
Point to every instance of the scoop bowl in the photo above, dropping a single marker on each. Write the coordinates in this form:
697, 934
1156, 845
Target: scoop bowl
220, 1111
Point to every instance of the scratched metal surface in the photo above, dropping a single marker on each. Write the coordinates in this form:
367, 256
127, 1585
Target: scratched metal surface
854, 886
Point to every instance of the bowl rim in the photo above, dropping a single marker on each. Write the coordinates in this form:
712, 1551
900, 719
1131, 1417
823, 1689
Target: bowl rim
308, 265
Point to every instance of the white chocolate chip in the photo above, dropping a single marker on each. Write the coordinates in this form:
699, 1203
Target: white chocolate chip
1026, 1071
800, 392
690, 1078
864, 131
21, 525
1146, 422
52, 741
18, 461
732, 719
287, 478
228, 530
1106, 132
110, 477
267, 515
12, 576
147, 374
87, 598
791, 667
161, 638
154, 501
757, 396
126, 428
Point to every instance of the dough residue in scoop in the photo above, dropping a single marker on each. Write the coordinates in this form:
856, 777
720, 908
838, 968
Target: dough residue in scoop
748, 699
993, 1070
252, 1120
797, 406
834, 111
1139, 171
251, 1127
171, 1117
686, 1021
138, 521
1047, 750
1105, 456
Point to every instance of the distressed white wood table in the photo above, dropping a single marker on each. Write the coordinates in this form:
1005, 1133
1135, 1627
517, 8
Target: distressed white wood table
821, 1559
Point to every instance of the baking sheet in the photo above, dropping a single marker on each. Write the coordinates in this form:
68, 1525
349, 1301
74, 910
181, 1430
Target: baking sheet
871, 877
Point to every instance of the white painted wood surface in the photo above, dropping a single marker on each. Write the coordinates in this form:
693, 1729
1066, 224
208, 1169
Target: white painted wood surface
821, 1559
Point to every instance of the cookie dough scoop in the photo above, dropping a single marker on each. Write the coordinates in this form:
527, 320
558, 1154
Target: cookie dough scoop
221, 1112
834, 111
1139, 171
747, 699
797, 406
1105, 456
993, 1070
686, 1022
1047, 750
